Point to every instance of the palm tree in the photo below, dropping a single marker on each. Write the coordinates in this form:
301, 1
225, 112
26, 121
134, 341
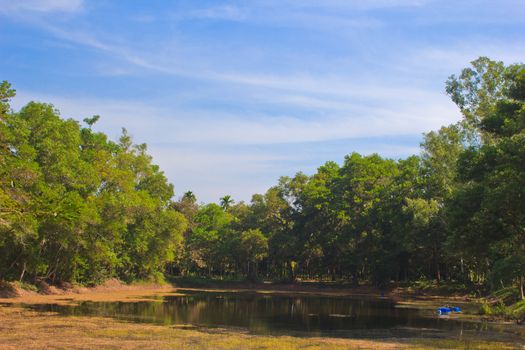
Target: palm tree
226, 202
189, 195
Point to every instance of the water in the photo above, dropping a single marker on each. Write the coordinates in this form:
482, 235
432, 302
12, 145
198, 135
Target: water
284, 314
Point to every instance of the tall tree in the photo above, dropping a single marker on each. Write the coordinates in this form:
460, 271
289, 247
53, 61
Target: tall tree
488, 211
226, 202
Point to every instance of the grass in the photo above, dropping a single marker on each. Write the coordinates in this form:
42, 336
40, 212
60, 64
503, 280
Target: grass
24, 329
518, 309
447, 288
460, 344
505, 304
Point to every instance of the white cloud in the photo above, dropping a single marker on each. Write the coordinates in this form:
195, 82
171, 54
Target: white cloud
223, 12
218, 153
355, 4
142, 18
213, 172
251, 104
457, 57
42, 6
410, 115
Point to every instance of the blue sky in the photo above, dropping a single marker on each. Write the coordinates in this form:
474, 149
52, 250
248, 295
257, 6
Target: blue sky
230, 95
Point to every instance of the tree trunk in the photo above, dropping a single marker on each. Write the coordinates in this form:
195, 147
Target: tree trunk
521, 288
355, 278
291, 276
438, 273
24, 271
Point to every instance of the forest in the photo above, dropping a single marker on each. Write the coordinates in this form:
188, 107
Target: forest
78, 207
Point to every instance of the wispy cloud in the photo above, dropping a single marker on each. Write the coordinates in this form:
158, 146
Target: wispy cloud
221, 12
236, 93
193, 126
319, 16
168, 64
354, 4
216, 154
42, 6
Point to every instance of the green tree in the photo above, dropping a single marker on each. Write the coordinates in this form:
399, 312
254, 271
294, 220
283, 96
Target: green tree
477, 88
254, 248
487, 212
76, 206
208, 239
226, 202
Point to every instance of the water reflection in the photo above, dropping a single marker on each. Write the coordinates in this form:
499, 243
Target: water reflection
278, 314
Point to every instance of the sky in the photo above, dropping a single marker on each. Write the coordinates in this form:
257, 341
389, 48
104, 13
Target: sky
231, 95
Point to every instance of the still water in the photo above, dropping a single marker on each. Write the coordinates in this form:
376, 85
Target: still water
294, 315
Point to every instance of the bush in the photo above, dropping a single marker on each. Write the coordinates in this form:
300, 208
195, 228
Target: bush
508, 295
485, 309
517, 311
499, 308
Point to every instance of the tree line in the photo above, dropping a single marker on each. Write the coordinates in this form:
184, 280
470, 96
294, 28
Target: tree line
76, 206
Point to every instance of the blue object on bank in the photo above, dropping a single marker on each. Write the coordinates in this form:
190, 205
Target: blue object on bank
444, 310
447, 310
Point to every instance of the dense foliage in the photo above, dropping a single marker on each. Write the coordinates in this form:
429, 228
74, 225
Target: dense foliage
78, 207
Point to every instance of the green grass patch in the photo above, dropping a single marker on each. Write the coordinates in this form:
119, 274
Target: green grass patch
508, 295
445, 288
460, 344
28, 286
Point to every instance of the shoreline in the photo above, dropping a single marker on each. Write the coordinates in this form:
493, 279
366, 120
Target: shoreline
21, 327
114, 290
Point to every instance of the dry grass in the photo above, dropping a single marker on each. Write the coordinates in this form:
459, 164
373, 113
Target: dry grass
25, 329
64, 299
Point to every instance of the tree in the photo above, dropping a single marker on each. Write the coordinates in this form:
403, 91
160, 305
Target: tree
189, 196
208, 239
226, 202
358, 191
487, 213
78, 207
254, 248
477, 88
510, 269
440, 152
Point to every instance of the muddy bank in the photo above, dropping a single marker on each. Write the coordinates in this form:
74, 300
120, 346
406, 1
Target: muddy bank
114, 290
111, 290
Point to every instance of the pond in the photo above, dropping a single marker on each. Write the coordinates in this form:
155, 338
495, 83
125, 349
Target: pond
293, 315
